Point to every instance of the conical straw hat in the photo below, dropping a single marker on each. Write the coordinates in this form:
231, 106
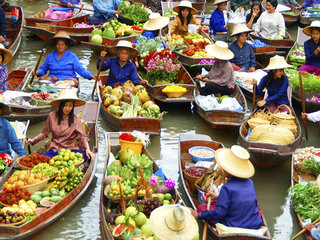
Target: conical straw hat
185, 4
314, 25
124, 44
68, 95
219, 50
156, 22
240, 28
2, 104
7, 54
219, 1
277, 62
62, 35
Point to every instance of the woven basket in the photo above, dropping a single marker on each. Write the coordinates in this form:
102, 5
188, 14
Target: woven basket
174, 94
288, 118
16, 223
136, 147
6, 205
253, 122
191, 180
22, 166
115, 198
36, 187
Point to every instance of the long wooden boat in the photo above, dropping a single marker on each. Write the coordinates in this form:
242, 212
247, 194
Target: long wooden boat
290, 19
45, 31
90, 113
106, 216
39, 17
280, 45
224, 118
147, 125
17, 79
187, 141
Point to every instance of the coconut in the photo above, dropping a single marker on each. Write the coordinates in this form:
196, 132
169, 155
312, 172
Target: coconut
143, 96
137, 88
127, 89
117, 92
107, 89
127, 96
128, 84
110, 100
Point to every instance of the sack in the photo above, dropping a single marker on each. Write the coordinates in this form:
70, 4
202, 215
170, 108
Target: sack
193, 28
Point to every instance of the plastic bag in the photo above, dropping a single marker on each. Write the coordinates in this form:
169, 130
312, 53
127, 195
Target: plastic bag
193, 28
237, 16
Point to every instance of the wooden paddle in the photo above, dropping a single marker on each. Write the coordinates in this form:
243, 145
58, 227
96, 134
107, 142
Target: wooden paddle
303, 230
254, 97
37, 65
303, 104
98, 74
205, 228
72, 6
29, 147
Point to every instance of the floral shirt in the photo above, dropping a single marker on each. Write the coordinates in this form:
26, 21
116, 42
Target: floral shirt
3, 78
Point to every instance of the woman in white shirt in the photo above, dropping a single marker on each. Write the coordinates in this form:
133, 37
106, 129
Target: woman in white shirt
271, 23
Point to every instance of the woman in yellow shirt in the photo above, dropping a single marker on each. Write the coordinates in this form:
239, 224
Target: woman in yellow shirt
185, 17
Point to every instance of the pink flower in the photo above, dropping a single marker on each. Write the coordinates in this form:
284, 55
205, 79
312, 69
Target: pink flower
170, 183
153, 180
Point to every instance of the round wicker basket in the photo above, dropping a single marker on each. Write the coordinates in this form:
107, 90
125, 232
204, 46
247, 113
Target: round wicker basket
36, 187
16, 223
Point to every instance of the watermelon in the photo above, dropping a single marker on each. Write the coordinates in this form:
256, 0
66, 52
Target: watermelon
40, 210
118, 230
140, 237
46, 203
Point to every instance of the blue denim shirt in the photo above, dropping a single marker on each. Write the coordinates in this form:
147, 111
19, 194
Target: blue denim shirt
3, 23
217, 22
9, 139
105, 9
243, 57
315, 232
309, 48
236, 205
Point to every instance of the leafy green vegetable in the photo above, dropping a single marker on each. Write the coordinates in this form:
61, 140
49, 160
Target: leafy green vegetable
311, 82
2, 164
312, 165
146, 45
134, 11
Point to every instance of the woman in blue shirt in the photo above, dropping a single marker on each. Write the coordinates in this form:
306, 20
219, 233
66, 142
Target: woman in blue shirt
104, 10
275, 82
62, 64
217, 23
244, 56
236, 204
121, 68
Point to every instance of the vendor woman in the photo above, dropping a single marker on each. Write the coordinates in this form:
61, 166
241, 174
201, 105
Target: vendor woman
65, 127
217, 22
185, 17
236, 204
312, 49
220, 79
62, 64
276, 84
121, 68
244, 57
154, 25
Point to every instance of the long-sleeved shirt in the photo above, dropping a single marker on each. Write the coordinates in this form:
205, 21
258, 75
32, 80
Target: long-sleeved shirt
9, 139
309, 47
236, 205
3, 22
73, 2
222, 74
285, 2
105, 9
277, 91
217, 22
240, 3
118, 74
63, 135
314, 117
3, 78
310, 3
177, 27
315, 232
243, 57
270, 25
65, 67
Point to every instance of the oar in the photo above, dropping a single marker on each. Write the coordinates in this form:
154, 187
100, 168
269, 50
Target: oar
37, 65
64, 4
29, 147
205, 228
303, 230
98, 74
303, 104
254, 97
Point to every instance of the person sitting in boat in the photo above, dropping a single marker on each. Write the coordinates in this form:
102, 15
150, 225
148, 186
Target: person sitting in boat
290, 3
309, 3
314, 230
104, 10
70, 3
3, 24
244, 57
220, 79
154, 25
65, 127
62, 64
312, 49
314, 116
121, 68
185, 17
236, 204
271, 22
5, 57
253, 16
217, 22
9, 139
276, 84
235, 4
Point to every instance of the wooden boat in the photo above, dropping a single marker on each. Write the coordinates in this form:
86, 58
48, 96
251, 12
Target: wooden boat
17, 79
39, 18
107, 216
45, 31
290, 19
187, 141
224, 118
148, 125
90, 113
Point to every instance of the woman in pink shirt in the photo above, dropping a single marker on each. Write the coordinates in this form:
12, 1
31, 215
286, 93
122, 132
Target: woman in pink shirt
64, 126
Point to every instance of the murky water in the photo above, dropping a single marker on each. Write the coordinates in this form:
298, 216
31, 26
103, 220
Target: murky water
82, 221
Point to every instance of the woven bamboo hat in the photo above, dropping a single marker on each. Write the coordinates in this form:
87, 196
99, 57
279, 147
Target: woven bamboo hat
219, 50
7, 54
124, 44
62, 35
219, 1
68, 95
172, 222
235, 161
2, 104
277, 62
156, 22
314, 25
240, 28
185, 4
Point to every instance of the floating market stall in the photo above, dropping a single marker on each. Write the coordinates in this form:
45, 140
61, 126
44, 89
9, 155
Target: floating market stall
17, 79
309, 15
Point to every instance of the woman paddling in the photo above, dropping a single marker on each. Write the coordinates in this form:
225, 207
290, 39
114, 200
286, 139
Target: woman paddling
64, 126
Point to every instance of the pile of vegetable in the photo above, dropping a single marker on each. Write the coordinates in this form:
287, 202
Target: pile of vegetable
133, 11
5, 161
146, 45
210, 102
304, 161
297, 57
310, 81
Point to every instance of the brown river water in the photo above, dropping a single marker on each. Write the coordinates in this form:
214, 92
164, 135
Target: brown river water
82, 221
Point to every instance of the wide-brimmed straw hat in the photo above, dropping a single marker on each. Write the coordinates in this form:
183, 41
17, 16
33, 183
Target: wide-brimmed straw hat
219, 50
235, 161
62, 35
219, 1
314, 25
124, 44
155, 22
172, 222
2, 100
68, 95
185, 4
7, 54
277, 62
240, 28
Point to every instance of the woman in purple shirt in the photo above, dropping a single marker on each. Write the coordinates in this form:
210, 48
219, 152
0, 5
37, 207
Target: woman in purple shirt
5, 57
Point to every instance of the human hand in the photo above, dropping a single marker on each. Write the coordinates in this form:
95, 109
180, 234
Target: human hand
117, 12
309, 226
225, 26
93, 77
254, 14
251, 69
205, 80
143, 81
103, 54
69, 4
199, 77
194, 213
30, 141
261, 103
255, 33
212, 195
304, 115
35, 73
90, 154
254, 82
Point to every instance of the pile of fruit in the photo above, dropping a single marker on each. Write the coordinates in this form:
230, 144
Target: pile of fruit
33, 159
28, 208
174, 88
53, 195
310, 81
8, 217
66, 158
45, 169
5, 160
68, 178
10, 196
41, 98
24, 178
297, 57
129, 101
